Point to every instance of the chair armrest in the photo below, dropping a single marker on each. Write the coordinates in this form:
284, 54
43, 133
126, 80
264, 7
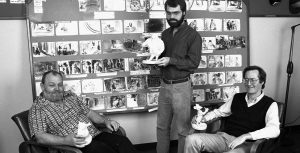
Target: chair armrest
256, 145
26, 146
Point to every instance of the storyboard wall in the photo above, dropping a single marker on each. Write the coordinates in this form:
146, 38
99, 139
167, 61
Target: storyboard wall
97, 45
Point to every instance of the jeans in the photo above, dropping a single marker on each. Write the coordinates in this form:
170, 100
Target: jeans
217, 143
174, 103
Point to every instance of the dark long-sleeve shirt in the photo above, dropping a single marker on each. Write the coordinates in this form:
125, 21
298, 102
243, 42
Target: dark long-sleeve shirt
184, 50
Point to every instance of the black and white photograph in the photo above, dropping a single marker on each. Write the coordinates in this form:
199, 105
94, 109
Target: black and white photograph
136, 5
73, 85
113, 65
232, 25
136, 64
229, 92
222, 42
92, 85
40, 68
197, 24
152, 98
87, 66
208, 43
42, 49
112, 26
217, 5
137, 82
233, 60
115, 102
67, 48
132, 100
70, 67
215, 61
115, 84
89, 6
213, 94
199, 78
95, 103
234, 6
133, 26
156, 5
196, 4
42, 29
112, 46
90, 47
89, 27
64, 28
198, 95
216, 78
233, 77
211, 24
133, 45
154, 25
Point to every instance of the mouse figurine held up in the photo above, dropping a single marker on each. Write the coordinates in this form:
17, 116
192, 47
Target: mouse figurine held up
156, 46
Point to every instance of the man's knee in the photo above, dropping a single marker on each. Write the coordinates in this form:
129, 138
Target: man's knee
192, 140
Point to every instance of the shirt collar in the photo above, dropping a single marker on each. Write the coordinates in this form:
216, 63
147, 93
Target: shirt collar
257, 99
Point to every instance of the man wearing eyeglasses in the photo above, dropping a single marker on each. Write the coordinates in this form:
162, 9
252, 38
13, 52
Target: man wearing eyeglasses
250, 116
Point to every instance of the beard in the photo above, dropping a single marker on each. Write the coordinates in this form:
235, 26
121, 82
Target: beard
175, 23
54, 96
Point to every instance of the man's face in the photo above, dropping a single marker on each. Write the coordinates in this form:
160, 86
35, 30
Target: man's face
53, 88
252, 83
174, 16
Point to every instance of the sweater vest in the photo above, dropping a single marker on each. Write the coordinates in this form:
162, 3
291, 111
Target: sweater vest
246, 119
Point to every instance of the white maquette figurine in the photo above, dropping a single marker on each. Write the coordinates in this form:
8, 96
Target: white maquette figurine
156, 46
83, 131
196, 122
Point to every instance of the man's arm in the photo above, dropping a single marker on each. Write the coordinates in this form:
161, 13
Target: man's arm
272, 128
100, 119
50, 139
222, 111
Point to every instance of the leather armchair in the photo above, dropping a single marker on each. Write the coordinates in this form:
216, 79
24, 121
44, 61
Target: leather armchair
31, 146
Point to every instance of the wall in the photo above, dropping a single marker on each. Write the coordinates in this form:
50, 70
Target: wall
269, 47
270, 40
15, 89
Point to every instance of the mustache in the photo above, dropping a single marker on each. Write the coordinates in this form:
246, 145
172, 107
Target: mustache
173, 20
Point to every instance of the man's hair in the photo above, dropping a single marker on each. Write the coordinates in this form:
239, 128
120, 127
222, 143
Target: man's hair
53, 72
262, 75
174, 3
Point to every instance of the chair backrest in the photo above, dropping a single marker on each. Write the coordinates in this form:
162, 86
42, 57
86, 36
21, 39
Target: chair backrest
21, 119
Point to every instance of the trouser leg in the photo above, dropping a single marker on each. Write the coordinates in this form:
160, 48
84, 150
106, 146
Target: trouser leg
198, 142
164, 120
181, 100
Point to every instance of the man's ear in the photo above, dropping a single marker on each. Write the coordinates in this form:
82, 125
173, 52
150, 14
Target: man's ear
42, 86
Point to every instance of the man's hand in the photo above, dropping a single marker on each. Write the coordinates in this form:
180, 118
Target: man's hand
164, 61
73, 140
112, 125
239, 140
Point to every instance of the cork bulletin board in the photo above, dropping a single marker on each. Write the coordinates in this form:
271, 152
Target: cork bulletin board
97, 45
12, 9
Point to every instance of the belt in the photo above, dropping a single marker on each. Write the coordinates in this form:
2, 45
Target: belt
175, 81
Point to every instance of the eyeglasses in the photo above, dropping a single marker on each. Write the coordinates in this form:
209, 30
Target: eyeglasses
251, 80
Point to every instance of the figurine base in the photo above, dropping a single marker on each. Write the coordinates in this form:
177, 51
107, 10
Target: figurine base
201, 126
88, 140
149, 62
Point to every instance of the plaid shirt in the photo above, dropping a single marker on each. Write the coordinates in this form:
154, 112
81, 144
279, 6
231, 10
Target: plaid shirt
57, 119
